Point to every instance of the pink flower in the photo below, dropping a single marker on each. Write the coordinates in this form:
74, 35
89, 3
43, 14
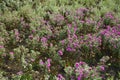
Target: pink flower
1, 46
108, 27
19, 73
69, 25
75, 29
110, 15
51, 44
70, 49
11, 53
48, 64
75, 44
77, 65
118, 33
102, 68
60, 52
33, 31
32, 60
82, 62
75, 36
16, 32
79, 77
82, 21
62, 42
103, 32
43, 39
60, 77
41, 62
31, 36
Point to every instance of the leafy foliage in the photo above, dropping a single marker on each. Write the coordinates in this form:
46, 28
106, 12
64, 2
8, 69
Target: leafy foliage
52, 39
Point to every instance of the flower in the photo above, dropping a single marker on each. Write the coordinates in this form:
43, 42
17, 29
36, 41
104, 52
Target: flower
16, 32
33, 31
1, 46
82, 62
118, 33
32, 60
70, 49
60, 77
69, 25
62, 42
79, 77
48, 64
19, 73
76, 64
102, 68
11, 53
82, 21
103, 32
60, 52
31, 36
41, 62
44, 39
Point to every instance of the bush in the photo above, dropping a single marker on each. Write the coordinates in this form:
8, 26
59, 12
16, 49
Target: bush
43, 39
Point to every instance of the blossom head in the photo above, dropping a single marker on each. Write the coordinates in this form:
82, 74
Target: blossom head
102, 68
77, 65
60, 52
11, 53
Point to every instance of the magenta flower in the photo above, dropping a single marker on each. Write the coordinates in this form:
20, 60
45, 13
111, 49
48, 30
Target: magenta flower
74, 36
31, 36
109, 15
77, 65
103, 32
48, 64
75, 29
60, 77
102, 68
60, 52
44, 39
108, 27
75, 44
118, 33
82, 62
70, 49
79, 77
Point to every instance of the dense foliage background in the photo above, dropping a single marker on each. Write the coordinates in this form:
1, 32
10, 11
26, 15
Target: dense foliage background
59, 39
